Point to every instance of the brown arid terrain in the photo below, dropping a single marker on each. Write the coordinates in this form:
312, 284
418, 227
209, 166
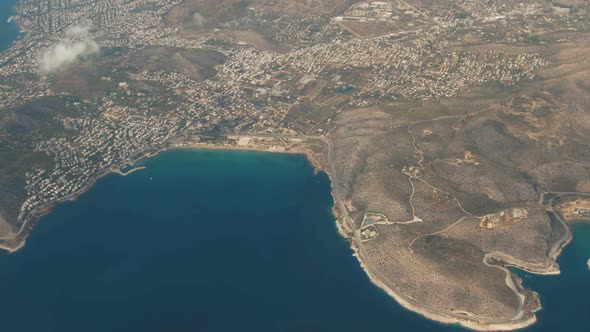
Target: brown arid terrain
437, 170
456, 133
571, 207
215, 11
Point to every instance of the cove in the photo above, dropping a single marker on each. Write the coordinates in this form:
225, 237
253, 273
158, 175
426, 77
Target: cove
565, 297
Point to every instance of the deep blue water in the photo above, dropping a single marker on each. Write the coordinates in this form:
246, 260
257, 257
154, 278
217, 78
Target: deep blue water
217, 241
8, 31
565, 297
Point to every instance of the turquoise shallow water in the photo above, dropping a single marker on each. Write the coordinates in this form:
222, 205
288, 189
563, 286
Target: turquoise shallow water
8, 31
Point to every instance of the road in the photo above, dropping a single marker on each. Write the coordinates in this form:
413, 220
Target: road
567, 236
467, 318
414, 305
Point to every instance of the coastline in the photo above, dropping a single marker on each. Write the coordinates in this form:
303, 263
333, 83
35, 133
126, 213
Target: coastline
513, 324
516, 323
472, 324
508, 260
133, 170
469, 321
18, 241
317, 165
9, 19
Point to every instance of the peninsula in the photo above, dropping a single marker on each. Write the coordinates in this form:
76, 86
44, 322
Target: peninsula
455, 133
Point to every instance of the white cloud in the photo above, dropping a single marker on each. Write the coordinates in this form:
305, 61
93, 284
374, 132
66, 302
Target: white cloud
198, 20
77, 44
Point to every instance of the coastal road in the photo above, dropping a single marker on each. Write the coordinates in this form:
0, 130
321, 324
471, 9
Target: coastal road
381, 280
566, 237
477, 322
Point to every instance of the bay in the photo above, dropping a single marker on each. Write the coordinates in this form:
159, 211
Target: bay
197, 241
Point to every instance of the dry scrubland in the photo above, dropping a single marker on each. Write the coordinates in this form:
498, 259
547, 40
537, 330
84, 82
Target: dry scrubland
524, 144
215, 11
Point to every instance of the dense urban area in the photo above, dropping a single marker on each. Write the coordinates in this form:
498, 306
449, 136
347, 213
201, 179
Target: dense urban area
436, 114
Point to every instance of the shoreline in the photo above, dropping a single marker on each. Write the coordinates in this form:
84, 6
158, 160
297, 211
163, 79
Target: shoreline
421, 310
472, 324
470, 321
317, 166
21, 236
510, 261
133, 170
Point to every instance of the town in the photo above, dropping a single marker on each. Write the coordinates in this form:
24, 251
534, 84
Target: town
255, 90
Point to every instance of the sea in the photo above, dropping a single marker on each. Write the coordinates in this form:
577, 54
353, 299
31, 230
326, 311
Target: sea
8, 31
200, 240
205, 240
565, 297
